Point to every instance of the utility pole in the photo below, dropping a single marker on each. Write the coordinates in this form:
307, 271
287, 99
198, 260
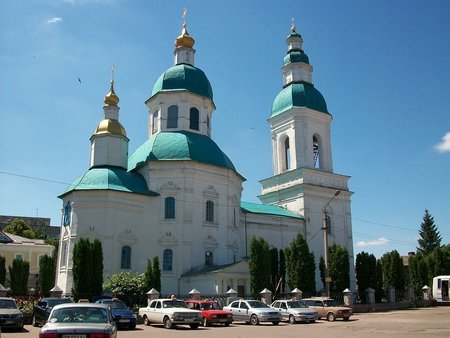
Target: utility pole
325, 243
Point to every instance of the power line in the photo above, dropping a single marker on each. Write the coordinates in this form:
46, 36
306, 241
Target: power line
32, 178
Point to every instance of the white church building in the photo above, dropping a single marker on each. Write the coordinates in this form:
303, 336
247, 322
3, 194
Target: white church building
178, 196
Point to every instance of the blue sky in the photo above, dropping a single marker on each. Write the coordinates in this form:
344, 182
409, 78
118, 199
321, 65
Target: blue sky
382, 66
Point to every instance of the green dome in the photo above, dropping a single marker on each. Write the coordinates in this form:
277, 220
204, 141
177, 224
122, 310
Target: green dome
181, 146
299, 95
183, 77
111, 178
296, 56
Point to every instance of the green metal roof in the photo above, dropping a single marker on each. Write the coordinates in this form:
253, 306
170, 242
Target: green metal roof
296, 56
267, 209
299, 95
183, 77
111, 178
179, 145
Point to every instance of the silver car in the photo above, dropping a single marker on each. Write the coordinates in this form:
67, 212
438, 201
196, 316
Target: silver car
295, 311
10, 315
80, 320
253, 312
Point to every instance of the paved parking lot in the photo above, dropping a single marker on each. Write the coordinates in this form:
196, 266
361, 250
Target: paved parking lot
427, 322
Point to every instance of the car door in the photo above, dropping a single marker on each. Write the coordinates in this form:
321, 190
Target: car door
284, 310
40, 311
243, 311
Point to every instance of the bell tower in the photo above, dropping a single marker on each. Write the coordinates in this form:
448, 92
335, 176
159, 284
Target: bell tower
303, 180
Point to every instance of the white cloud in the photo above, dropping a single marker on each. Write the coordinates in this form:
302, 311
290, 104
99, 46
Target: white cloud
444, 145
376, 242
54, 20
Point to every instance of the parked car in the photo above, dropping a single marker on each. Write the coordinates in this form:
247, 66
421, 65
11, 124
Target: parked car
295, 311
124, 316
211, 312
10, 315
42, 309
328, 308
170, 312
80, 320
253, 311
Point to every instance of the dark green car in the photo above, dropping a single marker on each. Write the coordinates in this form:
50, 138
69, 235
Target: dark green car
42, 309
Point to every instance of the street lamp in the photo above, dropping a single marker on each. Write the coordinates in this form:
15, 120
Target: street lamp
325, 243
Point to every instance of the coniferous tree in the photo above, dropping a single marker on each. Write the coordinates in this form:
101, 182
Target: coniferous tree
274, 269
19, 272
339, 268
148, 277
418, 274
300, 266
393, 273
282, 271
156, 274
258, 266
366, 273
2, 270
97, 268
47, 270
81, 270
430, 238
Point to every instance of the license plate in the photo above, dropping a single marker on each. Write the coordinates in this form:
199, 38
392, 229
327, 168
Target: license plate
189, 320
124, 320
73, 336
223, 320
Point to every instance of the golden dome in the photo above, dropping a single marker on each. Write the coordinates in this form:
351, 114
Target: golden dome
184, 40
110, 126
111, 99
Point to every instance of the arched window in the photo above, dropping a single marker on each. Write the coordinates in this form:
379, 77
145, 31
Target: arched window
169, 208
316, 152
172, 117
209, 211
209, 258
287, 154
125, 262
155, 121
167, 259
194, 119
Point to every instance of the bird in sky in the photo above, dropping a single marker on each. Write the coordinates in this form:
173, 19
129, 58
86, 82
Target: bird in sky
79, 80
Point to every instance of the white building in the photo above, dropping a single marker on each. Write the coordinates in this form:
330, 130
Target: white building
178, 196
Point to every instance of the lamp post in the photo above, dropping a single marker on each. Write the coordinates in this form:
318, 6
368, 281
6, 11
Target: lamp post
325, 243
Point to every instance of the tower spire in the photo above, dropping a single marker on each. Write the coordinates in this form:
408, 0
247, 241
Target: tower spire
184, 43
111, 99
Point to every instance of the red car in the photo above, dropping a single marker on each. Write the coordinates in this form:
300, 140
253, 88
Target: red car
211, 312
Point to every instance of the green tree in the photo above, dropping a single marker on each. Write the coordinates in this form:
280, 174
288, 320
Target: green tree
274, 269
300, 266
148, 277
392, 268
282, 273
258, 266
82, 269
97, 268
55, 243
418, 274
339, 268
2, 270
366, 273
47, 270
19, 272
19, 227
430, 238
156, 274
129, 287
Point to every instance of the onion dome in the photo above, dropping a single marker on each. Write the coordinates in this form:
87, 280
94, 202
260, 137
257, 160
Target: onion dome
111, 99
110, 126
184, 40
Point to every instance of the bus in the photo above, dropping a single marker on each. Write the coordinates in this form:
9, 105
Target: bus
440, 288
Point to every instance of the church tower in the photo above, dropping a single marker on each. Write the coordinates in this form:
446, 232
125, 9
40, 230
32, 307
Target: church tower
303, 180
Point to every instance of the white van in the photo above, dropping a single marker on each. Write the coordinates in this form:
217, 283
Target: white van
440, 288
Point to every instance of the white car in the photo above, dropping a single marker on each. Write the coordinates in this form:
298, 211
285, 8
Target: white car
253, 312
170, 312
295, 311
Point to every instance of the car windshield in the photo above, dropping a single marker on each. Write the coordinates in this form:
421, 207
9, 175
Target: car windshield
115, 304
79, 315
296, 304
210, 306
53, 302
7, 304
256, 304
329, 303
174, 303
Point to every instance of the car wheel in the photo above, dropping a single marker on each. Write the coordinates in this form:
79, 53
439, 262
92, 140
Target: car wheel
275, 323
331, 317
346, 318
205, 322
146, 321
34, 322
168, 323
132, 327
254, 320
291, 319
194, 326
227, 324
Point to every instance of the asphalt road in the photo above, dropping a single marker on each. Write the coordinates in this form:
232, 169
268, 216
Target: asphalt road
425, 322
